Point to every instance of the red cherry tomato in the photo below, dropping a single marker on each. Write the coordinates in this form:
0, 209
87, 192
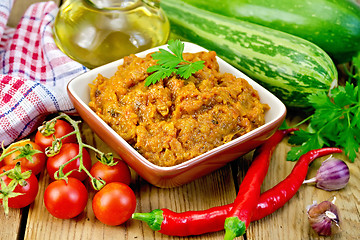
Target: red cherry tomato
114, 204
37, 163
65, 200
117, 173
67, 152
61, 128
29, 190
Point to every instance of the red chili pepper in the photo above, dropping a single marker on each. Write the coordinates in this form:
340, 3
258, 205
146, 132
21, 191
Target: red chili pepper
239, 217
211, 220
280, 194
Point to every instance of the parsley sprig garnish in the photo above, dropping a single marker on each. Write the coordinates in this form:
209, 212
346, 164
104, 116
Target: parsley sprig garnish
335, 121
171, 62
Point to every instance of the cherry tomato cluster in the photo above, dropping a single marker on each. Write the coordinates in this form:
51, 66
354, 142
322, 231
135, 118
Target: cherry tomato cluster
58, 147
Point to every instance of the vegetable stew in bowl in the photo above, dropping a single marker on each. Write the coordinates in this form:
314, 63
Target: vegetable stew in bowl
176, 130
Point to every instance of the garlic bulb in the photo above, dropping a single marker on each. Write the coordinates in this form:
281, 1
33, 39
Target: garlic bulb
324, 218
333, 174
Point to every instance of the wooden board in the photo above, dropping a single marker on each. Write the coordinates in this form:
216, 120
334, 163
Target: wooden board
41, 225
220, 187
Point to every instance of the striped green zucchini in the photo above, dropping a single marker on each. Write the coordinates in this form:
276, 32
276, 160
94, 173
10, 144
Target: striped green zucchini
333, 25
290, 67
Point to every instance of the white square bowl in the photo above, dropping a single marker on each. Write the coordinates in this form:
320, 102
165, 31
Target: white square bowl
79, 93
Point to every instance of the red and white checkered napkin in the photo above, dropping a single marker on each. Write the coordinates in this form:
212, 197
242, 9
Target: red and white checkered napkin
33, 71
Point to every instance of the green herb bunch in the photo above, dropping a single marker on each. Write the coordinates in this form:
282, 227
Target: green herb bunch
171, 62
335, 121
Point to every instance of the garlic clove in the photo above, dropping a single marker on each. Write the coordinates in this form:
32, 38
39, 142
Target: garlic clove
324, 218
333, 174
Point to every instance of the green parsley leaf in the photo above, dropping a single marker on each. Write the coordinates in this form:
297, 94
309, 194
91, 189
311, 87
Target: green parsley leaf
177, 47
309, 142
171, 63
166, 59
350, 144
160, 72
335, 121
299, 137
187, 70
320, 100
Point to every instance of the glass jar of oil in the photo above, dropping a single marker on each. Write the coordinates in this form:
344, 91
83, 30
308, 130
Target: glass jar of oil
96, 32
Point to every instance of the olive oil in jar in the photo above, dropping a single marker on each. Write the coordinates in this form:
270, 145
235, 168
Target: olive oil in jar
96, 32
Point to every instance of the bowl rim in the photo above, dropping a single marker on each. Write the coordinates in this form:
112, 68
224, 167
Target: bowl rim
193, 161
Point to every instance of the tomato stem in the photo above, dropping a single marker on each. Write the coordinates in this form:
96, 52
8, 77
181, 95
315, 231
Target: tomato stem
97, 184
60, 174
5, 153
7, 191
67, 135
47, 128
92, 148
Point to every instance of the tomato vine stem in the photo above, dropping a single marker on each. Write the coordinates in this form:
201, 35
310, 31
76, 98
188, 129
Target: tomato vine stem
97, 184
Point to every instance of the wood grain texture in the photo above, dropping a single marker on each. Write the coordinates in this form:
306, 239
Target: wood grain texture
10, 224
204, 193
220, 187
290, 222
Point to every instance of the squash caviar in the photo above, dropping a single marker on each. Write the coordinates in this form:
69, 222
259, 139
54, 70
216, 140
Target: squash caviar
175, 119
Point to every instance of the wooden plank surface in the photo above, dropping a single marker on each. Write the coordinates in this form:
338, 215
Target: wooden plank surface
289, 222
218, 188
11, 229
